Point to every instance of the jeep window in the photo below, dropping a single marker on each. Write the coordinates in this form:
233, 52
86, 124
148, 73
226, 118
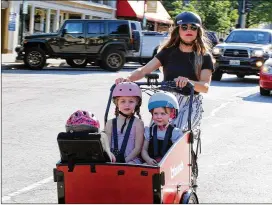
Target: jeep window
74, 27
95, 28
257, 37
118, 28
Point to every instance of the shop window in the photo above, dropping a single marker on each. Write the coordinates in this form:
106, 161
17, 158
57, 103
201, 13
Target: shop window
74, 27
118, 28
95, 28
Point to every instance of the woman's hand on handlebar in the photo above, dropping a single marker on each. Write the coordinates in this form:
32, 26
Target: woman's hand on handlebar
181, 81
120, 80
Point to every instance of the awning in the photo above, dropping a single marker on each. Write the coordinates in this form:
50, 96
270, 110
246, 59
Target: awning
134, 8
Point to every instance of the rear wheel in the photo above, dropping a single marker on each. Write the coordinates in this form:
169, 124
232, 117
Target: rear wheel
113, 60
264, 92
77, 63
217, 75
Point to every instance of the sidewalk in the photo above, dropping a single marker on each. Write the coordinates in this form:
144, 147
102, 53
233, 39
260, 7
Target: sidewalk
9, 61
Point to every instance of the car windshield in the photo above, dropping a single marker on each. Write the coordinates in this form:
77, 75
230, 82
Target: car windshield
257, 37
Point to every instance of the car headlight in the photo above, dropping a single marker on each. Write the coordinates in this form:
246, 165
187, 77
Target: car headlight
257, 53
217, 51
267, 69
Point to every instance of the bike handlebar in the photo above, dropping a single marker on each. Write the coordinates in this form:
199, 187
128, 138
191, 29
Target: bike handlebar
171, 84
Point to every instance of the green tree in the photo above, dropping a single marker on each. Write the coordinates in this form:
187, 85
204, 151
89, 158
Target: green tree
216, 15
168, 5
261, 12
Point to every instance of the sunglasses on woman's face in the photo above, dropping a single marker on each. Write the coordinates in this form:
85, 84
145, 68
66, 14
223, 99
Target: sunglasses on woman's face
185, 27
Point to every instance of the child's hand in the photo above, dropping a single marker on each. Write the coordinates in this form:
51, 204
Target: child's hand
151, 161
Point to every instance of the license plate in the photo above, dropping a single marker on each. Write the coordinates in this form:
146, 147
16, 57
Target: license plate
234, 62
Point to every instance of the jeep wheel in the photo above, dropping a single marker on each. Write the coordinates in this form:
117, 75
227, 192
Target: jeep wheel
113, 60
240, 75
217, 75
264, 92
77, 63
35, 58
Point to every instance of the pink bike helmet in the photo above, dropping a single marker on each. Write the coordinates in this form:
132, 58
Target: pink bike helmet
82, 121
127, 89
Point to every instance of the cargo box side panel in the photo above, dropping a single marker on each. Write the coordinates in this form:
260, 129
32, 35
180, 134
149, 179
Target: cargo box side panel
176, 168
108, 184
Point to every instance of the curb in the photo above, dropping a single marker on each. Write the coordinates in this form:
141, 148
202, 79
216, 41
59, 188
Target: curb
61, 66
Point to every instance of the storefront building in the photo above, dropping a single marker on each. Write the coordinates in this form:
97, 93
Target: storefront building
29, 17
153, 12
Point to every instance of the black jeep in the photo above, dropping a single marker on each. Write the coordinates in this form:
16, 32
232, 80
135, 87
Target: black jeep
102, 42
242, 53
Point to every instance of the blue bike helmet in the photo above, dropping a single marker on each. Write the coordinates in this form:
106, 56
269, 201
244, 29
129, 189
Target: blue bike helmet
163, 99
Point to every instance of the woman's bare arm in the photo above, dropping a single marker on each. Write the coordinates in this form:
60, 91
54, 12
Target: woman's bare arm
204, 83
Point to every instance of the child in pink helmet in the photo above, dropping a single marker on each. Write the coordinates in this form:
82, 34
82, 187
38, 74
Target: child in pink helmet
83, 121
126, 132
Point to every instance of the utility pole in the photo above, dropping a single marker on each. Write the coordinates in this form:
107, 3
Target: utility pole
242, 13
24, 12
144, 19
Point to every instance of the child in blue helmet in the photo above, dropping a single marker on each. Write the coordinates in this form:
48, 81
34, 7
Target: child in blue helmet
160, 136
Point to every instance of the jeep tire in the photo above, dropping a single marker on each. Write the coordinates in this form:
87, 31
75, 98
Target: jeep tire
35, 58
217, 75
113, 60
77, 63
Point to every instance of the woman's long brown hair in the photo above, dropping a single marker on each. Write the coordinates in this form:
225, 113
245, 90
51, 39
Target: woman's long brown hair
202, 45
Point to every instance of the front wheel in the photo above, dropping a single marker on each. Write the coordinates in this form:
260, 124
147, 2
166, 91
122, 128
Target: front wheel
35, 58
189, 198
113, 60
193, 199
77, 63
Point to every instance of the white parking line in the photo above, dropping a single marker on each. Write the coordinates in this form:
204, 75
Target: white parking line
28, 188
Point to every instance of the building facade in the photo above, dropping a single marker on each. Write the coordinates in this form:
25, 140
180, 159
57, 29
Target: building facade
152, 14
20, 18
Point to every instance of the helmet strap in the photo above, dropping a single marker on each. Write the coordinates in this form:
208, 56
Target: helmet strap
187, 44
125, 123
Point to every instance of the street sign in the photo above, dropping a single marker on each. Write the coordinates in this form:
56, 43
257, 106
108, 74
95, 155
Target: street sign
12, 22
151, 6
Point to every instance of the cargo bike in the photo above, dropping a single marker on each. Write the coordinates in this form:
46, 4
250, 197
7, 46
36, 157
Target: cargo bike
85, 174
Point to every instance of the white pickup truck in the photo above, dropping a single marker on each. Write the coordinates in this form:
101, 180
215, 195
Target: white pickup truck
146, 44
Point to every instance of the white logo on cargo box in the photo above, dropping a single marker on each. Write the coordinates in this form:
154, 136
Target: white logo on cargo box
176, 169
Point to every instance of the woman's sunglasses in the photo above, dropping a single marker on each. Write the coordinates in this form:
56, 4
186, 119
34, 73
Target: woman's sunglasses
185, 27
